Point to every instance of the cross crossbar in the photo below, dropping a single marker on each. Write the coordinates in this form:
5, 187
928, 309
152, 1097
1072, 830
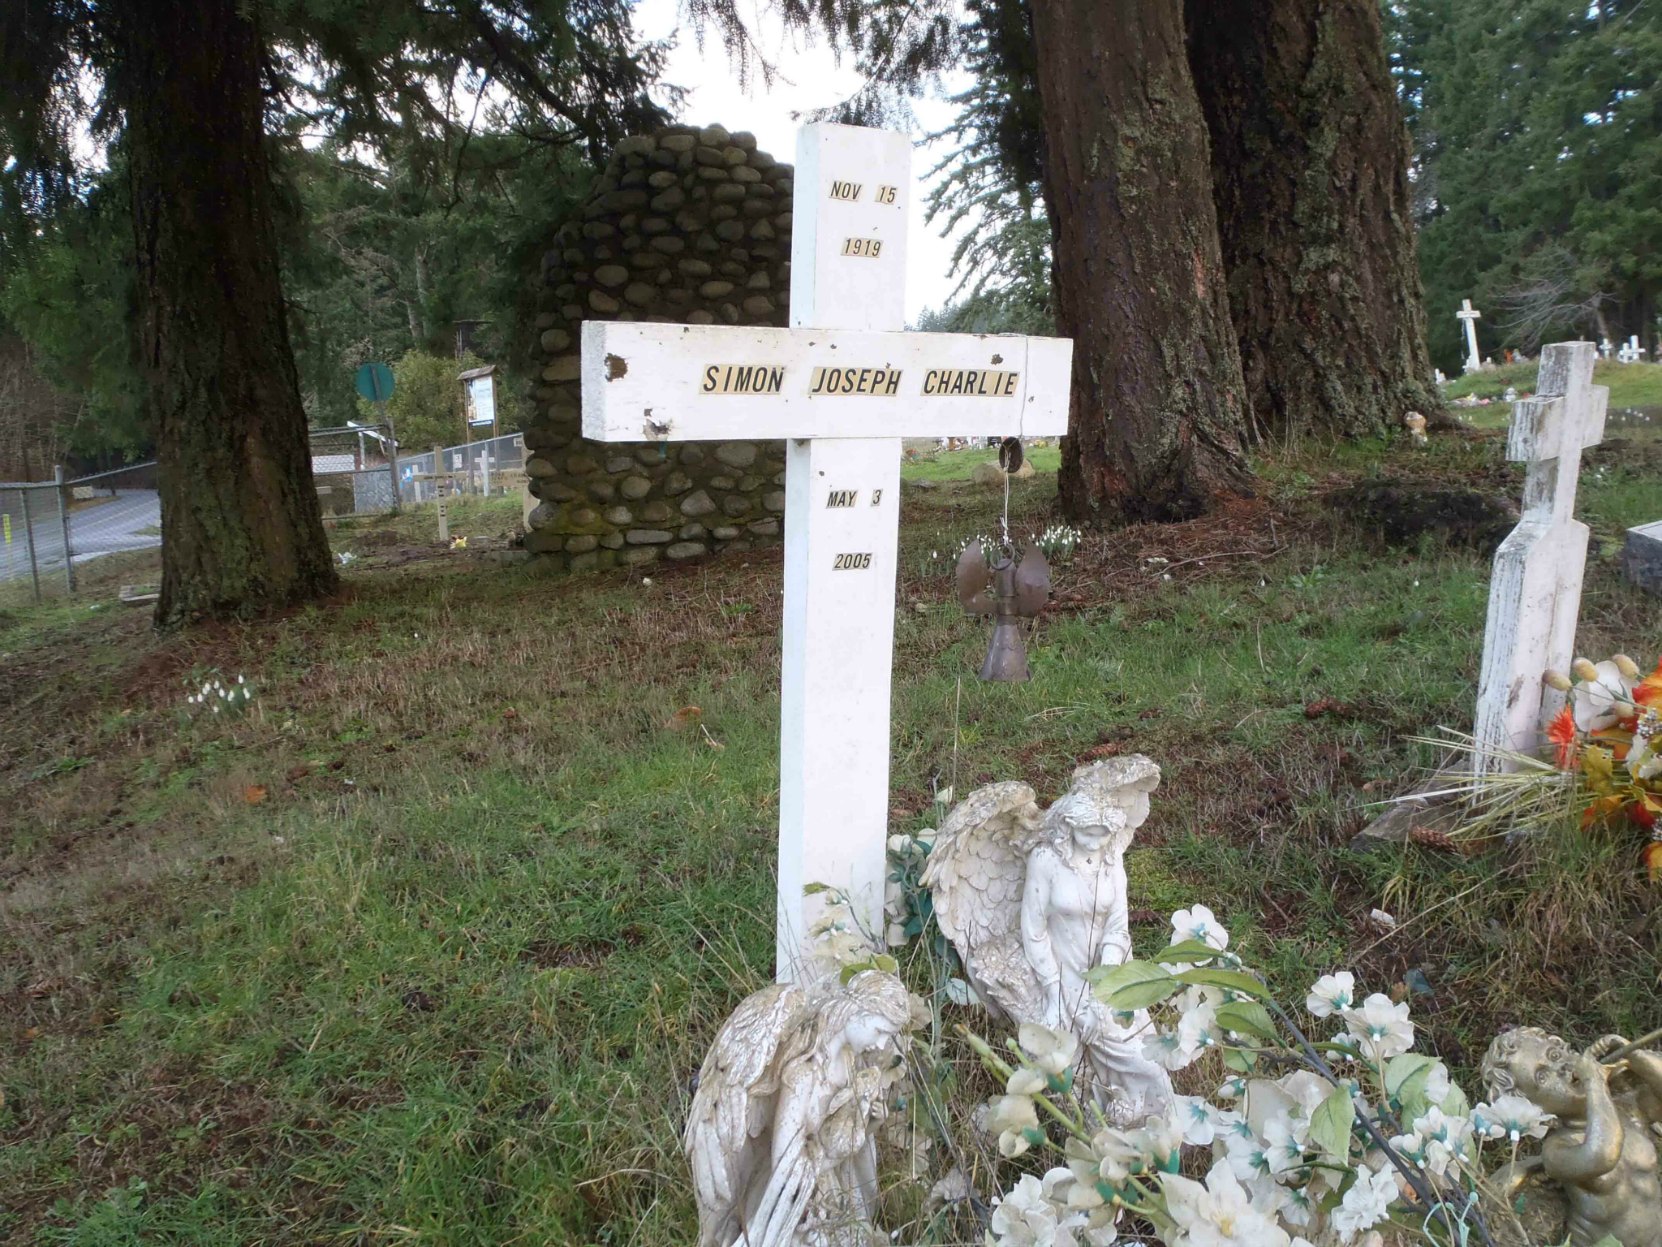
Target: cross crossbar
646, 382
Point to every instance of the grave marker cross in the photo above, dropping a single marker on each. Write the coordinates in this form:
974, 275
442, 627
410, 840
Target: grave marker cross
1470, 315
842, 387
1535, 588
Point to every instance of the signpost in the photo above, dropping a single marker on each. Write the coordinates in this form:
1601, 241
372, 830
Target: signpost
375, 382
842, 386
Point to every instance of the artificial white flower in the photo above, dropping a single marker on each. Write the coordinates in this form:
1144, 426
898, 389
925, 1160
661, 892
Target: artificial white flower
1445, 1138
1027, 1218
1382, 1029
1025, 1081
1283, 1146
1333, 993
1232, 1088
1010, 1117
1367, 1203
1166, 1048
1052, 1051
1511, 1117
1203, 1121
1593, 701
1220, 1213
1200, 924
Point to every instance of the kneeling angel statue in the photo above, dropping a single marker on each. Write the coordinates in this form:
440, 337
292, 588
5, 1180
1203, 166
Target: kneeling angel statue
781, 1133
1033, 902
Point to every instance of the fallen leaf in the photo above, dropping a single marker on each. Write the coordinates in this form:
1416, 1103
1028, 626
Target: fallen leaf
510, 713
1100, 751
254, 794
297, 773
685, 717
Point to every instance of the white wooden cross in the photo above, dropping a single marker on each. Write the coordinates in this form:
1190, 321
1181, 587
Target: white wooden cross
1631, 352
1535, 588
842, 386
1470, 315
1605, 348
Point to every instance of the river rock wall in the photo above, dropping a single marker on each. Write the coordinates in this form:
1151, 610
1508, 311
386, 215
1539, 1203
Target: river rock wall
686, 225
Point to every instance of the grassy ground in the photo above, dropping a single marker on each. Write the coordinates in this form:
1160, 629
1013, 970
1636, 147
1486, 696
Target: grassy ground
1631, 385
426, 944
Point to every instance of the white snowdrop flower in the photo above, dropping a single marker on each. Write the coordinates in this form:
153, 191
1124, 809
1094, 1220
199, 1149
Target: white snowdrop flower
1366, 1204
1382, 1029
206, 688
216, 707
1333, 993
241, 680
1511, 1117
1198, 924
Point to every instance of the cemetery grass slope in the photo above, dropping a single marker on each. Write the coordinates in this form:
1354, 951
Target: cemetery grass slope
427, 944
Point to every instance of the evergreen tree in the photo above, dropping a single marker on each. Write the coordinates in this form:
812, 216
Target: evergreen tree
192, 91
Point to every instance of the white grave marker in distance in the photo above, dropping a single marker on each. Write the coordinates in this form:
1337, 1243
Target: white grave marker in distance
1470, 315
842, 386
1535, 587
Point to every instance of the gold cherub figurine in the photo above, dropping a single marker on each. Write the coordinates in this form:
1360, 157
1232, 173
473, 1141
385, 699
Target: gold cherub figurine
1602, 1151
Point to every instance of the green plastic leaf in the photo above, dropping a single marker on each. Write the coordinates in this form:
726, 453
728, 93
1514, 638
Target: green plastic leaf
1232, 980
814, 889
1400, 1069
1188, 950
1132, 985
1331, 1122
1247, 1017
1238, 1060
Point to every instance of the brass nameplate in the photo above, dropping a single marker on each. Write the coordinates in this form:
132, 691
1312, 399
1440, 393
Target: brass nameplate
970, 382
877, 381
743, 379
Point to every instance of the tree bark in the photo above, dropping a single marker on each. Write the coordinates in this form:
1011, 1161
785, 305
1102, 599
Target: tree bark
1310, 178
241, 526
1158, 405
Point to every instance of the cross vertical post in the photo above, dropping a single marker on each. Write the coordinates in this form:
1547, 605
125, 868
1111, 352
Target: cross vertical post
841, 386
1535, 587
1470, 315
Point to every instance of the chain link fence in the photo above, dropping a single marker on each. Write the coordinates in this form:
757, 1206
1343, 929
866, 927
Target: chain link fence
57, 535
50, 530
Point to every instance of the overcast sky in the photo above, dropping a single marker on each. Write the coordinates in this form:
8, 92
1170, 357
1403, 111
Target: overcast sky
808, 78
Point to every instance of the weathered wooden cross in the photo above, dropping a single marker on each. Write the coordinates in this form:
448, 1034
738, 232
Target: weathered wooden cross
842, 387
1470, 315
1535, 588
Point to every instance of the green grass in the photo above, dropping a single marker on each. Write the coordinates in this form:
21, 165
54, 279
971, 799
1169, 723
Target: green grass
956, 465
426, 945
1631, 385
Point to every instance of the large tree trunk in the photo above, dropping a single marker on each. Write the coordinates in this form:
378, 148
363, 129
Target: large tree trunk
1158, 409
1310, 178
241, 527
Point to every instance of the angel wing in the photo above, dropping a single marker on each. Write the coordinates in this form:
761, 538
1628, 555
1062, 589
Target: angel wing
1032, 582
975, 874
728, 1135
974, 581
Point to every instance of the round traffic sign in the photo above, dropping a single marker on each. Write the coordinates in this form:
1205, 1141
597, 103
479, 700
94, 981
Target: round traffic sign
375, 382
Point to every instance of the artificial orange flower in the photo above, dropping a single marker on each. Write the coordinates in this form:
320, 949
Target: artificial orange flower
1653, 859
1648, 692
1561, 732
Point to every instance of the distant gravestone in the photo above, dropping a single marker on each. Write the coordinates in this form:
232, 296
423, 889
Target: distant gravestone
1535, 588
1470, 315
1642, 557
1605, 348
1631, 352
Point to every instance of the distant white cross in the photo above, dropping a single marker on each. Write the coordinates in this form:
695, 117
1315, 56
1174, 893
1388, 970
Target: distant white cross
1631, 352
842, 386
1535, 587
1605, 348
1470, 315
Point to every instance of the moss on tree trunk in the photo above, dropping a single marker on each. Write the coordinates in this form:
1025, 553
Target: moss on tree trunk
1158, 402
1310, 179
241, 527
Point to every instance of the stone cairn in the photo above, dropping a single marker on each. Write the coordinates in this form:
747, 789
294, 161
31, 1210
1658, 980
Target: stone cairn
686, 225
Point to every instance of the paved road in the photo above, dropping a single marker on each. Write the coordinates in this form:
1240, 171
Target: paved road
130, 521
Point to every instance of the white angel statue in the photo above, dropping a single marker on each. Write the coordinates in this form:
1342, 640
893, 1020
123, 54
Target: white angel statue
780, 1136
1034, 901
